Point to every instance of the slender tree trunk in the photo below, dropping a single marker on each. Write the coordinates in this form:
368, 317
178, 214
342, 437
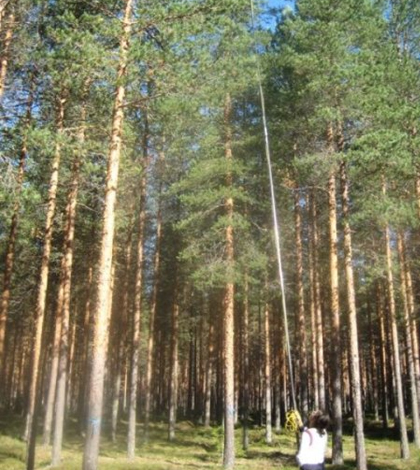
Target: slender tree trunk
409, 342
152, 324
31, 417
55, 354
209, 373
337, 447
412, 322
320, 366
228, 326
60, 402
122, 338
383, 356
100, 331
405, 451
173, 386
303, 354
132, 412
246, 366
353, 330
267, 376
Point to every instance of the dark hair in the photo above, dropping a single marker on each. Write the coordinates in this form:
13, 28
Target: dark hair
320, 421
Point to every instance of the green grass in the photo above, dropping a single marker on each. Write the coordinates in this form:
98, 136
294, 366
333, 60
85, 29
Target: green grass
196, 447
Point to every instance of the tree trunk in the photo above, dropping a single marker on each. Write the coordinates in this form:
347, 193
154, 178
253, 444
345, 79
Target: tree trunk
7, 42
303, 359
267, 376
405, 451
152, 323
228, 326
246, 371
60, 402
31, 417
100, 330
132, 412
353, 330
173, 386
409, 342
337, 446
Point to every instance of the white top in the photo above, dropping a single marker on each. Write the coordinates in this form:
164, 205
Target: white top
312, 447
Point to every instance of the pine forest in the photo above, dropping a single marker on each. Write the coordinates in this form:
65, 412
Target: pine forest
209, 229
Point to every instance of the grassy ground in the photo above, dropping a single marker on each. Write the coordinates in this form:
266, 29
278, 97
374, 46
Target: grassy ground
196, 447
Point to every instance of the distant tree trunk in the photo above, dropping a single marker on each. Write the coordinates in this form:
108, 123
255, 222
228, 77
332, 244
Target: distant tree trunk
303, 354
246, 366
209, 373
373, 363
13, 233
173, 386
31, 417
5, 55
353, 330
60, 402
122, 328
152, 323
100, 330
228, 326
412, 321
55, 355
383, 355
337, 447
135, 343
267, 375
409, 342
405, 451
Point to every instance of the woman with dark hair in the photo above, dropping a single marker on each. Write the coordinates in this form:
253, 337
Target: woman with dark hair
311, 455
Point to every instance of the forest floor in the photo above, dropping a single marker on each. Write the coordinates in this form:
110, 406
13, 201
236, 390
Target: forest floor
196, 447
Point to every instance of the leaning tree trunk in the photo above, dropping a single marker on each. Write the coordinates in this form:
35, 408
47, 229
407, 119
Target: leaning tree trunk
228, 324
353, 338
31, 416
405, 451
101, 311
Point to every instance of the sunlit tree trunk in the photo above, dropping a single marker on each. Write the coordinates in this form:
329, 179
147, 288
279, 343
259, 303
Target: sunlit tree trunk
101, 311
31, 417
337, 446
5, 53
228, 324
353, 329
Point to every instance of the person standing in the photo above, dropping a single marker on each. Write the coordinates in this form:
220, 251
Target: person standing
313, 445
